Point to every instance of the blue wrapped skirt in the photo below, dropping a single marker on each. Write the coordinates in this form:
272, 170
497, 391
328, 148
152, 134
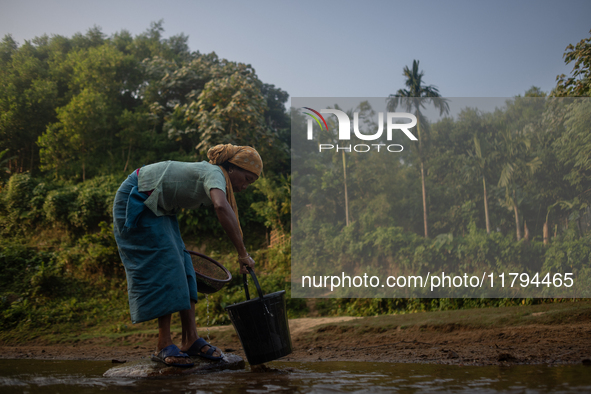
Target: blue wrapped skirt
160, 275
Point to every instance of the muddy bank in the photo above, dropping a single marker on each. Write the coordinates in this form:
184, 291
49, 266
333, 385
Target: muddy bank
542, 334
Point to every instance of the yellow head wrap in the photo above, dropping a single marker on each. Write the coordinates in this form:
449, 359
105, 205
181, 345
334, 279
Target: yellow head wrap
242, 156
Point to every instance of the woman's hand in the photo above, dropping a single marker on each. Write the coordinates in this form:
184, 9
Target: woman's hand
245, 261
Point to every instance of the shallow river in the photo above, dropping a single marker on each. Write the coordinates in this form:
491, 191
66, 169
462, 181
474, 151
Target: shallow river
39, 376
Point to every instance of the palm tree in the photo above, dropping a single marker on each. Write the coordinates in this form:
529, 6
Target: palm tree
481, 161
516, 169
413, 99
365, 113
485, 154
334, 140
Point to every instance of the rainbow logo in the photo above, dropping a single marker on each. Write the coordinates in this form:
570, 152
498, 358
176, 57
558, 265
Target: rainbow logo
315, 118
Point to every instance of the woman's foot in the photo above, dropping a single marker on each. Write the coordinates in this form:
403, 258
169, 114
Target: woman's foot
201, 348
171, 355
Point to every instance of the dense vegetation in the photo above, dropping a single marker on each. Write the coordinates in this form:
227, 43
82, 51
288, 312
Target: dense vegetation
78, 114
501, 191
507, 191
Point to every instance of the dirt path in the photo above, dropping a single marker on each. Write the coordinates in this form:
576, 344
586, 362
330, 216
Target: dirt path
553, 334
298, 327
569, 343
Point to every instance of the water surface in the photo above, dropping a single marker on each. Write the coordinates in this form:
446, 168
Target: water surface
65, 377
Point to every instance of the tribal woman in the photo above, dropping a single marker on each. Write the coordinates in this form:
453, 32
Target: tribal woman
160, 275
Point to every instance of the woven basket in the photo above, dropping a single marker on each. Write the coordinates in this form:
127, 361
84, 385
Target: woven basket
211, 275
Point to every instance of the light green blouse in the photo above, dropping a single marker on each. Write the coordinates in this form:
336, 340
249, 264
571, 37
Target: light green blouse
177, 184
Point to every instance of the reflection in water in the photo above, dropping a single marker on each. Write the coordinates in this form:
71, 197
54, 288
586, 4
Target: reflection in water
31, 376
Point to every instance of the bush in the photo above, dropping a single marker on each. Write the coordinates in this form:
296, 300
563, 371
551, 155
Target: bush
568, 255
82, 206
48, 281
16, 197
59, 205
18, 193
94, 202
40, 193
96, 255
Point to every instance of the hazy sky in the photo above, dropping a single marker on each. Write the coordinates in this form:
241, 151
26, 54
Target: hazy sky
345, 48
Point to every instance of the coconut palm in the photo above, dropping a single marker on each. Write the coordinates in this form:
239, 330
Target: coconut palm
413, 99
482, 160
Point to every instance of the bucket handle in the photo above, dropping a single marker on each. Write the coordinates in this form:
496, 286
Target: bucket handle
256, 283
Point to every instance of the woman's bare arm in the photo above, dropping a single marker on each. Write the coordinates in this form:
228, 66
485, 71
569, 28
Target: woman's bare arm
229, 223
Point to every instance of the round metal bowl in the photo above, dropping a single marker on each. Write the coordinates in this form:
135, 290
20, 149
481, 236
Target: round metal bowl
211, 275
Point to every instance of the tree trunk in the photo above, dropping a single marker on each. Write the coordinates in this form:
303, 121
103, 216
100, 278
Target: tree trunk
516, 216
517, 222
422, 175
545, 233
83, 171
525, 231
486, 207
424, 200
128, 154
32, 156
346, 197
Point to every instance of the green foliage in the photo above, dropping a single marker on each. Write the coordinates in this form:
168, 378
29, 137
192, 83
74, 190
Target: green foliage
31, 204
94, 203
18, 193
515, 170
84, 127
80, 113
414, 100
93, 105
40, 194
276, 208
18, 265
579, 83
570, 255
26, 275
48, 281
381, 306
59, 205
230, 109
575, 144
81, 283
392, 251
95, 255
4, 169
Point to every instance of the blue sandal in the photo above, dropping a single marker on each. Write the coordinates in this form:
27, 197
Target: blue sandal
195, 350
171, 351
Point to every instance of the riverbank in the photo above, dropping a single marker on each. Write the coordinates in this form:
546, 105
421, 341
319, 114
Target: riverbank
538, 334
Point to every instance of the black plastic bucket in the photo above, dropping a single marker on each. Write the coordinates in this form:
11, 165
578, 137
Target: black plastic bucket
261, 324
